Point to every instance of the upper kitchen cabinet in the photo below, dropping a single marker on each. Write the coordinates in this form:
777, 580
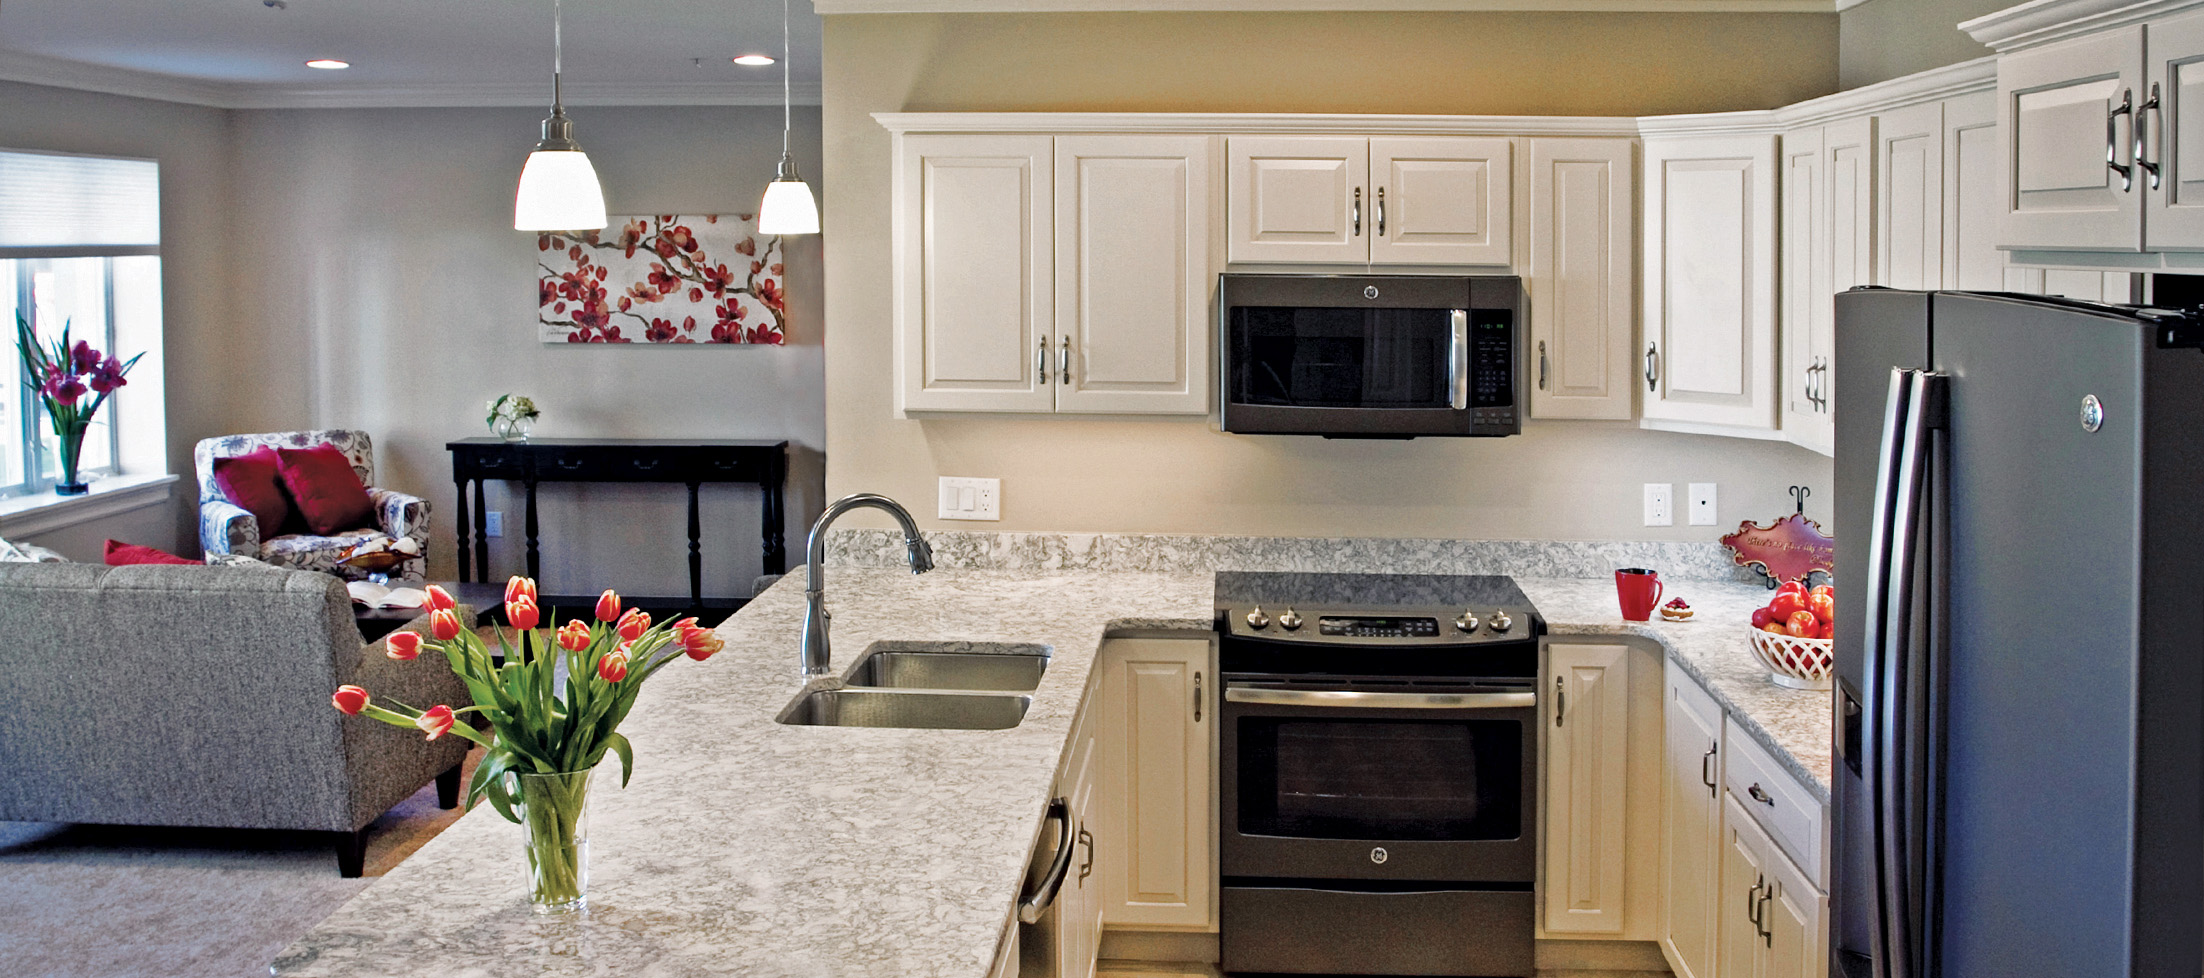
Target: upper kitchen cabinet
1710, 284
1806, 290
2100, 154
1066, 274
1582, 276
1394, 200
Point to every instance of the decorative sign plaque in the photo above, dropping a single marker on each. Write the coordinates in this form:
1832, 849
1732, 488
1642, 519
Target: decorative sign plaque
1787, 550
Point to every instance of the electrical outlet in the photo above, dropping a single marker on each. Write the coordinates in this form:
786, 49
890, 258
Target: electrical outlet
971, 499
493, 523
1702, 504
1660, 507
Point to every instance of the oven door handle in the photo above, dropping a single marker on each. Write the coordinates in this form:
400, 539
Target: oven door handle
1457, 367
1347, 699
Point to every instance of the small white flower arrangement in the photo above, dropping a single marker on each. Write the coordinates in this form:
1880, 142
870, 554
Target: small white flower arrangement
511, 415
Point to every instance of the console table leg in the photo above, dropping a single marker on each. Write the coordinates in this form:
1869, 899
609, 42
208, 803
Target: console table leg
535, 560
696, 552
775, 516
481, 534
464, 541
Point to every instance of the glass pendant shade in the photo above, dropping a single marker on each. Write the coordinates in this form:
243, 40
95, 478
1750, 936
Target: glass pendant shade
788, 208
559, 192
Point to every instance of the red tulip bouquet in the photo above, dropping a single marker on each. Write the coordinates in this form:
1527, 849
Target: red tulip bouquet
65, 376
552, 708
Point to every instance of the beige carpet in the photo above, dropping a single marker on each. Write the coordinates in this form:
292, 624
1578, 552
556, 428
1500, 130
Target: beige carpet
85, 901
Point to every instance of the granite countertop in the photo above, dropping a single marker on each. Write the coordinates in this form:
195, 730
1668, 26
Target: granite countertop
748, 847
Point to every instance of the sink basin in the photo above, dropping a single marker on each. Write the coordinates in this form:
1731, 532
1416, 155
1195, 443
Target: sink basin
908, 668
908, 709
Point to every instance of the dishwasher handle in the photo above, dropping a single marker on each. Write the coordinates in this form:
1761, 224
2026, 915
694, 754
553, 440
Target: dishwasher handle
1034, 905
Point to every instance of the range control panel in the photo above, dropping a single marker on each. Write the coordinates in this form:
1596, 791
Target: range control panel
1364, 627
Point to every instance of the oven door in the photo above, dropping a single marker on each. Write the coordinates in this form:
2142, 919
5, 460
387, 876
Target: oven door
1436, 784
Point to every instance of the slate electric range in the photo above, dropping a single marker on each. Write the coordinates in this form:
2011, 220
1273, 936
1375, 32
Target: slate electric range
1378, 770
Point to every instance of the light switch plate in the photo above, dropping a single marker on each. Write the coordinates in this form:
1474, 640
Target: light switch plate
493, 523
971, 499
1702, 504
1660, 506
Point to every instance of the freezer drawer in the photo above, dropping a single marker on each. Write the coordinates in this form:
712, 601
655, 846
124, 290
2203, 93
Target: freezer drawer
1433, 932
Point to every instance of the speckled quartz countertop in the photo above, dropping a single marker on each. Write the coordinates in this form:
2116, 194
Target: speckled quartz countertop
748, 847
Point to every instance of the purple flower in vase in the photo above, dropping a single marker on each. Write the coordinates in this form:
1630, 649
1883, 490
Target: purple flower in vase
83, 359
108, 376
68, 391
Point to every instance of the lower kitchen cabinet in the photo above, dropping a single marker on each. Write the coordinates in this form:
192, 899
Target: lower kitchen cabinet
1692, 825
1155, 752
1773, 922
1599, 804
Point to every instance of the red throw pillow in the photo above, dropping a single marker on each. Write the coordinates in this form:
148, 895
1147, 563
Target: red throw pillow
120, 554
255, 482
327, 491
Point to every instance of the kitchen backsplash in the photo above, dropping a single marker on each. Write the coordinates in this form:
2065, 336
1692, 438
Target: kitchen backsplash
1166, 553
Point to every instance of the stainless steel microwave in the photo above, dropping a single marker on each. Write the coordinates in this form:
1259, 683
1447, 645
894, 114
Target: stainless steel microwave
1371, 356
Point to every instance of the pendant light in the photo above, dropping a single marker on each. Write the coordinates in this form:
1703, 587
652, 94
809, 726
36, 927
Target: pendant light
558, 188
788, 207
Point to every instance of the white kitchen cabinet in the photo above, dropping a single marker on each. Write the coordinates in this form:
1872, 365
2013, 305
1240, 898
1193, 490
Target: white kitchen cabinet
1040, 274
1973, 186
1586, 804
1806, 272
2173, 202
2062, 108
1581, 277
1080, 906
1430, 200
1710, 250
1692, 825
1156, 749
975, 275
1773, 922
1909, 196
1134, 275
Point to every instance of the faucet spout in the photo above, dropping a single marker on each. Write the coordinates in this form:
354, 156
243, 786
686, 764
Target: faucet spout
817, 651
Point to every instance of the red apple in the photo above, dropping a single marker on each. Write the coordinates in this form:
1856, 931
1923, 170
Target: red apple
1803, 624
1823, 606
1787, 603
1775, 627
1790, 587
1760, 617
1827, 628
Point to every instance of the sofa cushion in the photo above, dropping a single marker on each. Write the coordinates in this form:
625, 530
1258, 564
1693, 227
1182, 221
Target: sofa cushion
254, 481
120, 554
327, 491
24, 553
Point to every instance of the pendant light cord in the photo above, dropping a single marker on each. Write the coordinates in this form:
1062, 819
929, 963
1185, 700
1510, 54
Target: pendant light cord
558, 49
787, 113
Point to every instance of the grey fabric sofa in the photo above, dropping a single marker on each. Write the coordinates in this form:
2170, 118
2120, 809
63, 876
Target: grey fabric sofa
199, 696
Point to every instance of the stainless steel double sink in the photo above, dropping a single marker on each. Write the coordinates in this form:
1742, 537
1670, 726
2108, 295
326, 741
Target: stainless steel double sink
947, 686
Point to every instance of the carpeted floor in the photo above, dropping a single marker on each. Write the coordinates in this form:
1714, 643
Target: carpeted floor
100, 901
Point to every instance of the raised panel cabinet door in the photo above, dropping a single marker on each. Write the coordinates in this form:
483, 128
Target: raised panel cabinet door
1298, 199
1710, 281
1972, 186
1740, 946
1156, 752
975, 277
1441, 200
1079, 920
1805, 283
2174, 203
2062, 109
1587, 787
1909, 161
1691, 831
1581, 277
1134, 275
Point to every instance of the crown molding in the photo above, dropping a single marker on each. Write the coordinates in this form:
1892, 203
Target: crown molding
37, 69
1246, 122
1964, 78
2043, 21
835, 7
1759, 122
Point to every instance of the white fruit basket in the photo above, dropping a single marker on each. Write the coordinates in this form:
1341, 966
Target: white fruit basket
1798, 663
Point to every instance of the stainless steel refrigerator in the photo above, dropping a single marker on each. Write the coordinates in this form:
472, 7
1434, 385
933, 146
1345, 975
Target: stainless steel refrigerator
2019, 785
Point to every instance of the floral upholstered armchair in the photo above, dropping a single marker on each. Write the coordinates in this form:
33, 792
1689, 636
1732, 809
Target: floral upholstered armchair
227, 528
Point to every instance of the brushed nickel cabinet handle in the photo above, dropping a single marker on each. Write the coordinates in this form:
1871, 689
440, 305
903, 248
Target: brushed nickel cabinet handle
2112, 139
1358, 212
1760, 795
1381, 212
1040, 360
1561, 699
1706, 769
1063, 361
2150, 105
1197, 697
1652, 366
1541, 364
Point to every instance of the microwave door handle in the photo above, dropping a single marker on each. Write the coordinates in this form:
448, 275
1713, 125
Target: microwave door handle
1457, 370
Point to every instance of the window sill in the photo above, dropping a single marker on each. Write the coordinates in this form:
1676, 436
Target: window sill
24, 516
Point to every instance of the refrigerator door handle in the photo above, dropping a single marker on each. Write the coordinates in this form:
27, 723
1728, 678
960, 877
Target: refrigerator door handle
1896, 414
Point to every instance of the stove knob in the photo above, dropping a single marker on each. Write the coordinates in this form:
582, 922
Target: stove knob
1500, 621
1289, 621
1257, 620
1466, 621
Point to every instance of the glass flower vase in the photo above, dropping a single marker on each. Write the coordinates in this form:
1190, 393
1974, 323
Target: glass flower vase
554, 818
512, 429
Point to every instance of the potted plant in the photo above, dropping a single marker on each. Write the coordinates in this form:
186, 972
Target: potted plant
65, 375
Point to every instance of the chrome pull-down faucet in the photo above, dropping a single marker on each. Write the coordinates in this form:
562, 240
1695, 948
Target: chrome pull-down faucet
817, 654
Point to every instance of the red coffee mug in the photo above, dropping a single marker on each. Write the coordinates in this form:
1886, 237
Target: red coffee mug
1639, 591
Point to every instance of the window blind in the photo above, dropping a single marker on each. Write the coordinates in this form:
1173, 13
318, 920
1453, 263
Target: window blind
51, 200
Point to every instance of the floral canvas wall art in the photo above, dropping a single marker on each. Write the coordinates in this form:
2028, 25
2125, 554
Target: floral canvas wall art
662, 278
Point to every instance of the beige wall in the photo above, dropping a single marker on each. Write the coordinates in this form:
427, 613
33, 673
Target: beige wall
1571, 480
1884, 39
358, 268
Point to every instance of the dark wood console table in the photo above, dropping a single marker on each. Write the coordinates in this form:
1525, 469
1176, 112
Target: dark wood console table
667, 460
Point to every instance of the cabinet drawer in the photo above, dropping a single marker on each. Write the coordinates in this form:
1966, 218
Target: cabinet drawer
1776, 800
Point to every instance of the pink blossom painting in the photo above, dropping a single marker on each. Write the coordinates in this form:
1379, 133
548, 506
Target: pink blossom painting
662, 278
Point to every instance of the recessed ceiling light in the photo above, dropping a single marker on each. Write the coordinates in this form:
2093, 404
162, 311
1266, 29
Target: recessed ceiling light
331, 64
754, 59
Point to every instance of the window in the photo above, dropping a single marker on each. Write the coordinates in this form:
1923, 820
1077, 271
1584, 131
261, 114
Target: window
80, 247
